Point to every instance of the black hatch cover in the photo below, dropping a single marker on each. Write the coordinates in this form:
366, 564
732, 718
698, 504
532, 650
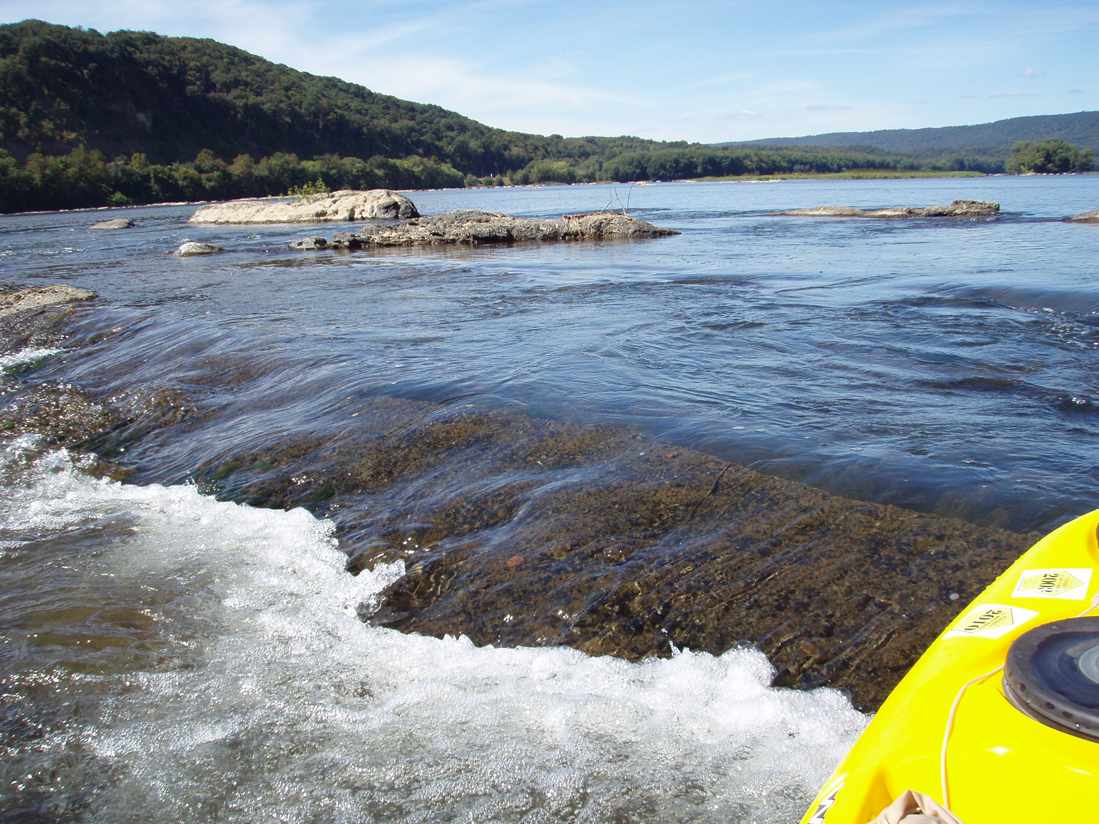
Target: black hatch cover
1052, 674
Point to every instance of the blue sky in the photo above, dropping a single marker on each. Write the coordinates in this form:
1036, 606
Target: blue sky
702, 71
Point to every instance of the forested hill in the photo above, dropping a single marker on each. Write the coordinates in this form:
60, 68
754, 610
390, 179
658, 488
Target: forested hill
1081, 128
88, 119
170, 97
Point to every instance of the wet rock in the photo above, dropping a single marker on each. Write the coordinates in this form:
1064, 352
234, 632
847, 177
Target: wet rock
344, 206
38, 297
64, 415
395, 458
309, 244
37, 316
191, 248
519, 531
277, 476
1085, 217
474, 228
653, 554
115, 223
959, 208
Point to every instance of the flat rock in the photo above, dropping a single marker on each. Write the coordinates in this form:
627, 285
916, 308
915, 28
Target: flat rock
191, 248
474, 228
344, 206
959, 208
115, 223
39, 297
1085, 217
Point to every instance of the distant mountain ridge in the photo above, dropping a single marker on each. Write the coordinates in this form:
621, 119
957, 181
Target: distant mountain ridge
1080, 128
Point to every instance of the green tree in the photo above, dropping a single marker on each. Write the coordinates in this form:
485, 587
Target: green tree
1049, 157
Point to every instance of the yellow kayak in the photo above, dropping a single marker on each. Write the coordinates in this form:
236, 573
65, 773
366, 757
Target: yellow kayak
994, 740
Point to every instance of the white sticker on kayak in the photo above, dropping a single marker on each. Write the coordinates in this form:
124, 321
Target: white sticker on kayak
1066, 583
828, 799
990, 621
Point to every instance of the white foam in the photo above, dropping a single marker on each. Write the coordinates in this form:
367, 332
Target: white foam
24, 357
278, 704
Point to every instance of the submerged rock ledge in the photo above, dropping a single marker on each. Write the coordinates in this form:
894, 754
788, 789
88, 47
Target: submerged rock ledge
517, 530
523, 531
344, 206
474, 228
959, 208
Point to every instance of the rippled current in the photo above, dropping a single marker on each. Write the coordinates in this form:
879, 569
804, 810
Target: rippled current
170, 656
943, 366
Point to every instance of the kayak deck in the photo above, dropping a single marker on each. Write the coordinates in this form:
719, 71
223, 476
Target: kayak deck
949, 731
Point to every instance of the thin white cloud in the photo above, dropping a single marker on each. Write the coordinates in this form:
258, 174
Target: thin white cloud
894, 22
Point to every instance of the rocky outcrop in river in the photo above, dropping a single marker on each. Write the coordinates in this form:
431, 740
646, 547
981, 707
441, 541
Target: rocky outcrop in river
192, 248
39, 297
474, 228
1085, 217
114, 223
344, 206
959, 208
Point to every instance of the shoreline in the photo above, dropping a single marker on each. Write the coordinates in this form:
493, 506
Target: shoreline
548, 185
866, 174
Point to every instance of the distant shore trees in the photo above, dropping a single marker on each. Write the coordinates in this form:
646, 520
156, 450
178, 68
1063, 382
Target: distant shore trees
87, 178
1049, 157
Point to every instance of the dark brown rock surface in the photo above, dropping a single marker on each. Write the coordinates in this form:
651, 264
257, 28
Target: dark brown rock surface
519, 531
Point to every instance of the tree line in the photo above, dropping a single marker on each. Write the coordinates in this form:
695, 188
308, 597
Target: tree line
1049, 157
86, 178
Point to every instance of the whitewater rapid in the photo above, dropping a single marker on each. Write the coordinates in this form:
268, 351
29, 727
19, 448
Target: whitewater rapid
224, 675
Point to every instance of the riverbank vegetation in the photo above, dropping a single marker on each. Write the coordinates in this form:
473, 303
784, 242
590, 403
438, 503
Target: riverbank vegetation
1049, 157
132, 117
86, 178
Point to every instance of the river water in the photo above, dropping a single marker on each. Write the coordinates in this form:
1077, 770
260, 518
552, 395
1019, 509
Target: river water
170, 655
